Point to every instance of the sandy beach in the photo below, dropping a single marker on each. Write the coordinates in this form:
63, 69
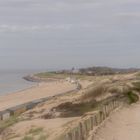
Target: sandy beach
39, 91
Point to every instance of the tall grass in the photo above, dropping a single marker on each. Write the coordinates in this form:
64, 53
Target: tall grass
136, 86
94, 92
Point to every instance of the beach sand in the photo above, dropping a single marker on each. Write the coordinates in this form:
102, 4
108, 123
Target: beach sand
40, 91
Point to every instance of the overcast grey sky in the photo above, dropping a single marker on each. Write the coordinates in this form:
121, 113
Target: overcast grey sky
48, 34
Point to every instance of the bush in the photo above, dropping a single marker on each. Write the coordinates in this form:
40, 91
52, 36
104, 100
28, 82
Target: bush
133, 98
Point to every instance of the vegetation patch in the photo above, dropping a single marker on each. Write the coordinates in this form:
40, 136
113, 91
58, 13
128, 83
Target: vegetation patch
136, 86
61, 75
42, 137
70, 109
11, 121
94, 92
35, 131
52, 75
12, 136
133, 98
28, 138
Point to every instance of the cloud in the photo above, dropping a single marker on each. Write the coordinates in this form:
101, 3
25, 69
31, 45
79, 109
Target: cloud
20, 28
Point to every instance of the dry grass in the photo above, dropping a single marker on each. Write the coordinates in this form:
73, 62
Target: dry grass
70, 109
28, 138
11, 121
136, 86
94, 92
42, 137
35, 131
115, 89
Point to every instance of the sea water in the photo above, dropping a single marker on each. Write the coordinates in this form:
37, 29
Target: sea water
12, 81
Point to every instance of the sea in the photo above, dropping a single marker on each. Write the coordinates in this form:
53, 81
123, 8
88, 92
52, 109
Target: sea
12, 81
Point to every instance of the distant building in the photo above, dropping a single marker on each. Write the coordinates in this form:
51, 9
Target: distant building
71, 80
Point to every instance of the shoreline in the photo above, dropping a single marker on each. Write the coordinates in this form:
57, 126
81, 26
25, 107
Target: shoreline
37, 91
30, 85
20, 90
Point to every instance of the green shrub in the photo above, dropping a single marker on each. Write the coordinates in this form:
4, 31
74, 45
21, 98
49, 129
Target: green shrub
133, 98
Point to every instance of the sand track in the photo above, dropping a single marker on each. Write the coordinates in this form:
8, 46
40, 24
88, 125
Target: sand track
122, 125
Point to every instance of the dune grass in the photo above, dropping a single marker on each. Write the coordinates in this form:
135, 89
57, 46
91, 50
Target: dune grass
136, 86
42, 137
7, 123
69, 109
93, 92
35, 131
28, 138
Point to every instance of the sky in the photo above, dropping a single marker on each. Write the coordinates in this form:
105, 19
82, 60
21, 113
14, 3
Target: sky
56, 34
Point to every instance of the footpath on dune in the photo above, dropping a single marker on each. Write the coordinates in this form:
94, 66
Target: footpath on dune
124, 124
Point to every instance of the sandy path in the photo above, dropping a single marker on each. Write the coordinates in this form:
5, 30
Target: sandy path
122, 125
49, 126
37, 92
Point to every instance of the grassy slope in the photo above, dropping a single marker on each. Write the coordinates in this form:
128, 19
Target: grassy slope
61, 76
